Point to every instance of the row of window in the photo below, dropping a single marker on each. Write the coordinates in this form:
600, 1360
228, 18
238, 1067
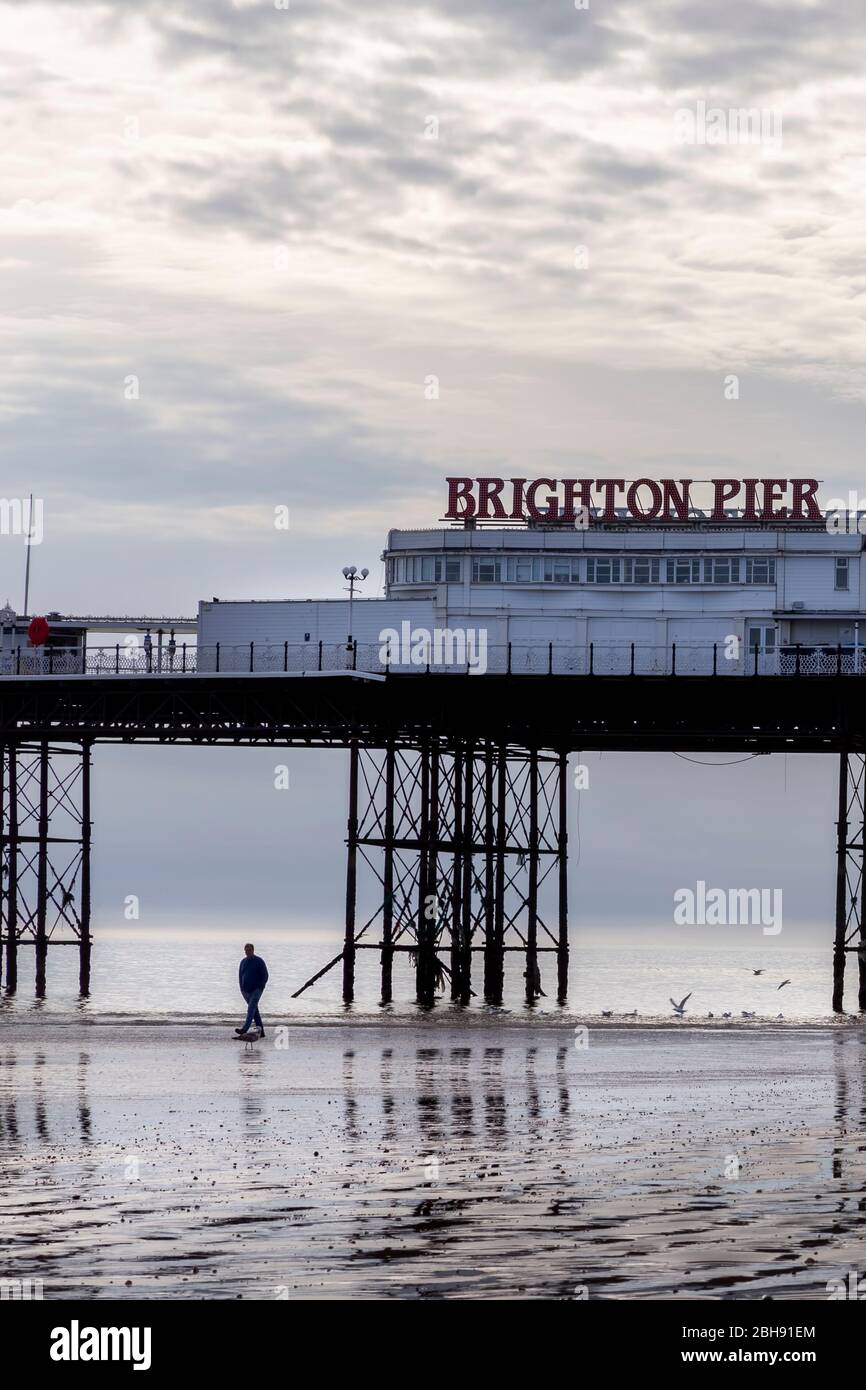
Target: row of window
597, 569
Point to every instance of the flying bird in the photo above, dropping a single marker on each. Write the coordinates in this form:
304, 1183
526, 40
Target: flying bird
758, 972
782, 985
680, 1008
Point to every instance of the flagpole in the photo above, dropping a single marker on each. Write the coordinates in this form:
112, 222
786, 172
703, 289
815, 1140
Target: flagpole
27, 566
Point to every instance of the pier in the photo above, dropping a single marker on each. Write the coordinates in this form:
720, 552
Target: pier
458, 780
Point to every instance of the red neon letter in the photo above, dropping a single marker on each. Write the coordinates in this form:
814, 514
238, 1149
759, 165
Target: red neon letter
460, 490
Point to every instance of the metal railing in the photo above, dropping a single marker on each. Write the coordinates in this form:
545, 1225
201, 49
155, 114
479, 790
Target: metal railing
593, 659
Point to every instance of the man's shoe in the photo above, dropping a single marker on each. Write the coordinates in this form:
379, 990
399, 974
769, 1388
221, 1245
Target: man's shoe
240, 1032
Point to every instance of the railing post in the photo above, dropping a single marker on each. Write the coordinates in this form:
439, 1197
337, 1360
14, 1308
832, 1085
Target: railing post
715, 658
183, 654
117, 658
251, 657
631, 665
508, 666
320, 653
18, 661
355, 655
838, 658
757, 649
286, 655
51, 661
550, 658
797, 661
673, 658
591, 660
217, 655
84, 658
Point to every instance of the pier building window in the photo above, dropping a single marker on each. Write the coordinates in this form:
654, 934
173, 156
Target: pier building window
684, 571
487, 569
424, 569
721, 569
841, 581
524, 569
603, 570
761, 570
559, 569
640, 569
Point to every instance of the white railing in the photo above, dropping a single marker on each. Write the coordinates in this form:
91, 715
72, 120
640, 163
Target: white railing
596, 658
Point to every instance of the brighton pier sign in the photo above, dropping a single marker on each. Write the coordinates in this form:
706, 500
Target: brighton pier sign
580, 501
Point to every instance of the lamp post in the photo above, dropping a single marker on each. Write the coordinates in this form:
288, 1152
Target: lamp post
351, 573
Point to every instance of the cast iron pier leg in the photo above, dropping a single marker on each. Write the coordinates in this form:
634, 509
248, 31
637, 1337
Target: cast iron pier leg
388, 880
562, 941
351, 879
84, 941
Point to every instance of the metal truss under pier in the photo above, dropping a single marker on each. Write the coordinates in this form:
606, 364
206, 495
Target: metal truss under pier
457, 856
44, 855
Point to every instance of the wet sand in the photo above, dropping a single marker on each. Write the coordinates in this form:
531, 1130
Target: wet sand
429, 1160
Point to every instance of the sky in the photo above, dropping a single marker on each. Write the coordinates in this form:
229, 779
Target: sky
238, 241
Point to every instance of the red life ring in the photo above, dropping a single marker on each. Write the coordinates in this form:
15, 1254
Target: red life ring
38, 632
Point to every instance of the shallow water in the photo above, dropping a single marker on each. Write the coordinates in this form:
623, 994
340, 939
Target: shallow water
156, 977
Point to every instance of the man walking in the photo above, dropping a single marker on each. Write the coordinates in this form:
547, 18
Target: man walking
252, 978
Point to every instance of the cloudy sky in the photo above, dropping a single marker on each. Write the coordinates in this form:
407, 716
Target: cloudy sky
282, 222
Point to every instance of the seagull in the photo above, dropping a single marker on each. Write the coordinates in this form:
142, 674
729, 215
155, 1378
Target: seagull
633, 1014
680, 1008
726, 1015
758, 972
710, 1015
607, 1013
746, 1014
780, 1015
782, 985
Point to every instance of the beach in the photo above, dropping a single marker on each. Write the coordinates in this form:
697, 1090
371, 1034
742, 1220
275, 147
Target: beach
423, 1157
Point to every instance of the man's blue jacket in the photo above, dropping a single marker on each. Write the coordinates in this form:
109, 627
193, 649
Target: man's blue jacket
252, 974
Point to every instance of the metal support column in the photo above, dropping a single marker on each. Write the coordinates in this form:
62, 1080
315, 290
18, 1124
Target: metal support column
466, 832
351, 878
388, 881
458, 837
850, 933
10, 917
562, 941
42, 875
532, 900
85, 938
